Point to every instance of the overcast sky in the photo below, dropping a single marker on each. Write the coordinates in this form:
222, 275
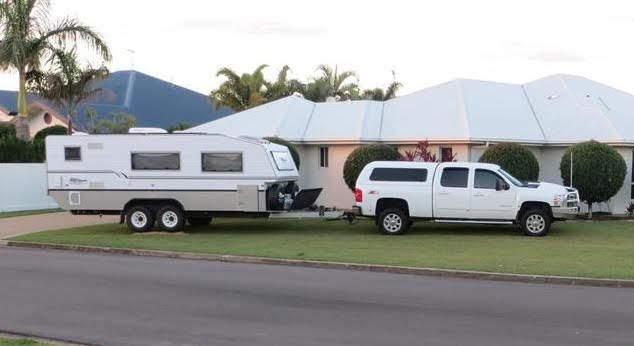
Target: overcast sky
424, 42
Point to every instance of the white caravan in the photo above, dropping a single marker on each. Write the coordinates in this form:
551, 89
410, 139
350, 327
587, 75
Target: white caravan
172, 177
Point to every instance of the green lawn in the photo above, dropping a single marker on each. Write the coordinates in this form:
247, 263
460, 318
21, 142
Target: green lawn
19, 342
589, 249
29, 212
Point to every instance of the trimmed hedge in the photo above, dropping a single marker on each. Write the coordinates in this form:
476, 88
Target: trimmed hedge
289, 145
513, 158
363, 155
7, 130
14, 150
53, 130
598, 171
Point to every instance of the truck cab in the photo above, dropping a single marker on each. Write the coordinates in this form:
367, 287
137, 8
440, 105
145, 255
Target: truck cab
397, 193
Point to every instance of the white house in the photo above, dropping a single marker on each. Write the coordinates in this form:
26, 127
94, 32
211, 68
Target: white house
460, 117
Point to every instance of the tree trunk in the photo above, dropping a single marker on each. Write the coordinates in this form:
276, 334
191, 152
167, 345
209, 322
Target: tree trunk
22, 130
589, 211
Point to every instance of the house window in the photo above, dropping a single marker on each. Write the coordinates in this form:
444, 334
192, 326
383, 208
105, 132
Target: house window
446, 154
72, 153
221, 162
156, 161
323, 156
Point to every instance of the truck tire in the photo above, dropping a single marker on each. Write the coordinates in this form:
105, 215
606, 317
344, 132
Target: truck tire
393, 222
535, 222
139, 218
170, 218
199, 221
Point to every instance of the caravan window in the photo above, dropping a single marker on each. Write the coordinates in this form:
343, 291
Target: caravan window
283, 160
222, 162
72, 153
156, 161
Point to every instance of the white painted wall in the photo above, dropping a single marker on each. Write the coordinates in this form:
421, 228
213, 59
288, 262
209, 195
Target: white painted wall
23, 187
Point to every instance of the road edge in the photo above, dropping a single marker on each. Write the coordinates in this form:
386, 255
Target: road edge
420, 271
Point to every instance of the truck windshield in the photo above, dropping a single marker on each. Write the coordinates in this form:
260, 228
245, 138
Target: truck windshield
513, 180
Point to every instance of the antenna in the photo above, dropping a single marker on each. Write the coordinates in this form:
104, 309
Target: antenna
132, 57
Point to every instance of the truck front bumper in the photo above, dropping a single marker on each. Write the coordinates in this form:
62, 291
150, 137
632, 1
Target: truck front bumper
565, 213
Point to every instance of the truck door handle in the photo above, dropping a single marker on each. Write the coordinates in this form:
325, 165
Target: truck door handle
478, 194
443, 193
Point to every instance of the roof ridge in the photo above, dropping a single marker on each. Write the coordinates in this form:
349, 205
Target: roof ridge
463, 107
532, 108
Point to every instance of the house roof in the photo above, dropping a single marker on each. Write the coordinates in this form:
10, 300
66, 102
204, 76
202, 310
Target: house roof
154, 102
557, 109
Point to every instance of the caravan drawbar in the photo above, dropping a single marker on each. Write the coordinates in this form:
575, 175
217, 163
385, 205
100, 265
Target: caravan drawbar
172, 178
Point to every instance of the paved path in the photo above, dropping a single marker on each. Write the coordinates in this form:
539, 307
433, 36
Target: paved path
119, 300
14, 226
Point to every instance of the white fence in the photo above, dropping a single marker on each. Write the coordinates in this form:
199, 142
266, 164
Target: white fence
23, 187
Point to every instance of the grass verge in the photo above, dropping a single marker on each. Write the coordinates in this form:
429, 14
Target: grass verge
585, 249
29, 212
19, 342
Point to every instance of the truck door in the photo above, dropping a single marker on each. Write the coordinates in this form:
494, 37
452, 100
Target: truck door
451, 193
491, 197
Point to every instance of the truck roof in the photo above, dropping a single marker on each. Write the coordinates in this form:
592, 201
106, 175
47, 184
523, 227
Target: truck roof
421, 164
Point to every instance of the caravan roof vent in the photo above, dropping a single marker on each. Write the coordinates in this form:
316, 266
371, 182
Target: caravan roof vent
146, 130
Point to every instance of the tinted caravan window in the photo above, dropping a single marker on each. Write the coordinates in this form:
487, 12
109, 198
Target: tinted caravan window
222, 162
454, 177
399, 174
72, 153
156, 161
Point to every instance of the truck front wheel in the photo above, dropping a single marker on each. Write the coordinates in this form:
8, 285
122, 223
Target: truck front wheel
535, 223
393, 222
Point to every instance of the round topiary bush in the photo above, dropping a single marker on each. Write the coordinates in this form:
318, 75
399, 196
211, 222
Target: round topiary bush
364, 155
7, 131
513, 158
53, 130
598, 171
289, 145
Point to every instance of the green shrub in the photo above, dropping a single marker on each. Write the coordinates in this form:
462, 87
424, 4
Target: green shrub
53, 130
14, 150
7, 130
513, 158
598, 171
363, 155
289, 145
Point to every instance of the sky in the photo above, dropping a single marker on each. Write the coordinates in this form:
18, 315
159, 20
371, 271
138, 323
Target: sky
423, 42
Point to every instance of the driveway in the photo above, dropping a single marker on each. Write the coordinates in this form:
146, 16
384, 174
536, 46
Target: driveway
125, 300
19, 225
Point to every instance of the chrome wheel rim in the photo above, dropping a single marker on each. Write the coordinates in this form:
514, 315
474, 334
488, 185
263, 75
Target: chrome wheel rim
169, 219
535, 223
138, 219
392, 223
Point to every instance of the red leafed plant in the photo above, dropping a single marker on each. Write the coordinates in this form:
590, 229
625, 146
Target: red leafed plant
422, 153
630, 209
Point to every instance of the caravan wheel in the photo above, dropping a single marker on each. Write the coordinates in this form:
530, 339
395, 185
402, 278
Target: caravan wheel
139, 219
171, 218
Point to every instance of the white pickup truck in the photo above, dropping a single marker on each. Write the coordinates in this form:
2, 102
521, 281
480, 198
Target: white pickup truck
396, 193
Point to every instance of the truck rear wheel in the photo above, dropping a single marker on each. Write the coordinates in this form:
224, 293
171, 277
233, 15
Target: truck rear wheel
139, 218
171, 218
535, 223
393, 222
199, 221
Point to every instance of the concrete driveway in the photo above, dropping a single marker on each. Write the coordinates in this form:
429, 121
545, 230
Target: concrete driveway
19, 225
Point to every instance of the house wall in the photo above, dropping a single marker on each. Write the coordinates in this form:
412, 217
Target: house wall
37, 123
23, 187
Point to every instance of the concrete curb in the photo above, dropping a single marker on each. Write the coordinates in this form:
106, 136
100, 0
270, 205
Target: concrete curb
445, 273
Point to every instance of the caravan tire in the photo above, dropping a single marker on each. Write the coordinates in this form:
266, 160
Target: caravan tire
170, 218
139, 218
199, 221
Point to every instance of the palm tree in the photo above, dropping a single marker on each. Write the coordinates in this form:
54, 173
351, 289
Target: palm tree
26, 37
332, 83
67, 84
240, 92
378, 94
283, 86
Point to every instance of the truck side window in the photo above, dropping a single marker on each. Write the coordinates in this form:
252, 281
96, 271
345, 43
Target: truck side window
454, 177
399, 174
485, 179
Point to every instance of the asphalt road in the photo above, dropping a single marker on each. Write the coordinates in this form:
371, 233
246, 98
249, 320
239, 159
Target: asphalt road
119, 300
